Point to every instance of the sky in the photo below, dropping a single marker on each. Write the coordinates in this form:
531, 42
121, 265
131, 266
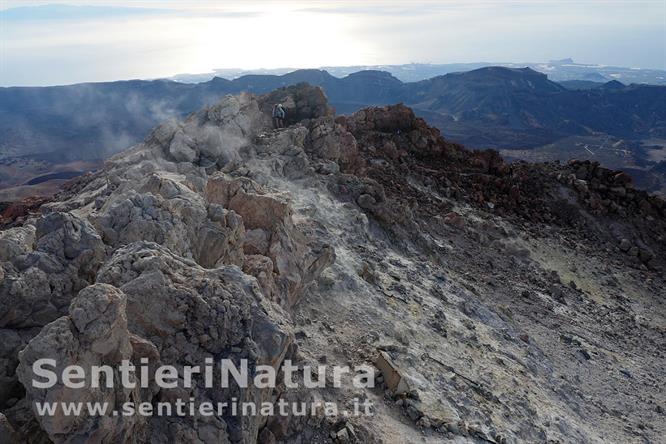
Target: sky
80, 41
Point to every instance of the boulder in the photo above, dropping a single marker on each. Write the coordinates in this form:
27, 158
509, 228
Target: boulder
51, 264
329, 140
167, 212
190, 313
393, 377
300, 101
16, 242
297, 258
93, 334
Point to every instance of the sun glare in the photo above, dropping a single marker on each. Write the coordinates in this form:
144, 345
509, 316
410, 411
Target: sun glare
273, 39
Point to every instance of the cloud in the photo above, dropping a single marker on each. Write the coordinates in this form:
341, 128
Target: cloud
70, 12
388, 8
79, 13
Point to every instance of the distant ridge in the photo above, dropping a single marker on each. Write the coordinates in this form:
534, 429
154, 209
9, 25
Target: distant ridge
489, 107
86, 120
557, 70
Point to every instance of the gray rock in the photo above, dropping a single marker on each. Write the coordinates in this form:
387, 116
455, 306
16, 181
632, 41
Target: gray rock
7, 433
413, 413
16, 242
182, 147
221, 310
93, 334
625, 245
343, 436
39, 284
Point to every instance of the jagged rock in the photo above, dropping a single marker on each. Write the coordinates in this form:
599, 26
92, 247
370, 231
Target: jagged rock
393, 378
190, 313
167, 212
296, 257
258, 208
16, 242
384, 119
328, 168
256, 241
266, 437
93, 334
11, 342
301, 102
261, 267
16, 213
182, 147
40, 283
370, 196
211, 136
366, 201
286, 149
330, 141
343, 436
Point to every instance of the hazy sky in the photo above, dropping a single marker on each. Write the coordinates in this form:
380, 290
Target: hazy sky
105, 40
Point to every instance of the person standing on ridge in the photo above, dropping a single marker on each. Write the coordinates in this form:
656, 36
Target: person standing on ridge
278, 116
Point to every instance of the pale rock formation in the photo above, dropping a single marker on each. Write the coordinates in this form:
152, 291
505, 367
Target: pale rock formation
296, 258
93, 334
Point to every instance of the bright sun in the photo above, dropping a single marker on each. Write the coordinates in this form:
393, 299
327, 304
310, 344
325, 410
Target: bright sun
275, 38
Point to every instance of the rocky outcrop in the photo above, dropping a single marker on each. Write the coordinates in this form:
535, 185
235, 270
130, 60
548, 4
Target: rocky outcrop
277, 244
606, 191
493, 297
163, 257
330, 141
93, 334
46, 264
201, 313
165, 211
301, 103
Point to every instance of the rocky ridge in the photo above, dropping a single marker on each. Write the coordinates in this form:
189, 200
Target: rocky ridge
515, 302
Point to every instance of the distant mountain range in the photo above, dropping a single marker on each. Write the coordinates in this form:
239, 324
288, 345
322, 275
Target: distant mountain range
557, 70
491, 107
521, 108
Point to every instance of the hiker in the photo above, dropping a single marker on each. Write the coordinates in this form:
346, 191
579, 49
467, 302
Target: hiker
278, 116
